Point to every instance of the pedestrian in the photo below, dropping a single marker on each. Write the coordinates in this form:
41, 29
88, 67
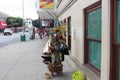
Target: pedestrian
33, 33
39, 33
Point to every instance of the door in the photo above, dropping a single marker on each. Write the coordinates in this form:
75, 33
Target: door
69, 33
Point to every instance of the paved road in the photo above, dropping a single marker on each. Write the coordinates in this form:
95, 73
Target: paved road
6, 40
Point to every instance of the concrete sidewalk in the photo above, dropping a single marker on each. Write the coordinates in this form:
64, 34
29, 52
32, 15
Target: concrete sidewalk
22, 61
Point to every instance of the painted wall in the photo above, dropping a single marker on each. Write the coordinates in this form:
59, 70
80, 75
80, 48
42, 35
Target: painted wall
76, 11
105, 40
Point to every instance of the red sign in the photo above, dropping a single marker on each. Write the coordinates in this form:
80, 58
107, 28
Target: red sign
46, 4
3, 24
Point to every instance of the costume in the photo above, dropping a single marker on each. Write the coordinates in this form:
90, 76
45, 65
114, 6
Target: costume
53, 53
54, 57
56, 65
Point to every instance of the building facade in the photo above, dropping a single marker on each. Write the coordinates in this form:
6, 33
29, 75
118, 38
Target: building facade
93, 35
3, 16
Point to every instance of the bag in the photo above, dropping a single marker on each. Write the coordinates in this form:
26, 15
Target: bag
63, 57
64, 49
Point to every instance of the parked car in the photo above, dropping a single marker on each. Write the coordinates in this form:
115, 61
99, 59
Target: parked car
8, 31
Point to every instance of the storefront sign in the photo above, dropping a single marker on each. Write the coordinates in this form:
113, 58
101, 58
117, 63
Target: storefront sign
46, 4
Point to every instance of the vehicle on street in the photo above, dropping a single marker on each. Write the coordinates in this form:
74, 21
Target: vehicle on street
7, 31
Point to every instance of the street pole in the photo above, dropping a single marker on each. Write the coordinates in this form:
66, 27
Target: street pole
23, 17
23, 38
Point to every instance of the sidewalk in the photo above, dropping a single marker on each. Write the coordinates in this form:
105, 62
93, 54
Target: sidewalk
22, 61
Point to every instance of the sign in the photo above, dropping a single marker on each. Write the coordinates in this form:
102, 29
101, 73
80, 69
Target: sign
46, 4
3, 24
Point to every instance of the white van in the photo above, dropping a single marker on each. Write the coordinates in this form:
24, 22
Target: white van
7, 31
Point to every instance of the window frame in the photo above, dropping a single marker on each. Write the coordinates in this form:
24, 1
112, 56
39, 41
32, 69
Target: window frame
69, 32
93, 7
114, 45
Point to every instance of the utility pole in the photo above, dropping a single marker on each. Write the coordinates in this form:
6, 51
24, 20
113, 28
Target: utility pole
23, 16
23, 37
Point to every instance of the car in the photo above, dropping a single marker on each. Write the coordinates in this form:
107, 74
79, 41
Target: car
8, 31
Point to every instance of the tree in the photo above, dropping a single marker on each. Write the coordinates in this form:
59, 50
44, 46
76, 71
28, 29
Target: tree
37, 23
19, 21
14, 22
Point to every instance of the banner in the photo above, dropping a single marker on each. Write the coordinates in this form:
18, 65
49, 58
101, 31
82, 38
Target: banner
46, 4
3, 24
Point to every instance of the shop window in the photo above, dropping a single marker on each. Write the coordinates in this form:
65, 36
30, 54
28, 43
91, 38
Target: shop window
93, 37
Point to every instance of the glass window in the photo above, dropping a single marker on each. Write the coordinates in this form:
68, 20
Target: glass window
118, 21
118, 32
95, 54
94, 32
94, 24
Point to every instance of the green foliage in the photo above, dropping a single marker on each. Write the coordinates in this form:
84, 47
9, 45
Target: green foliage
37, 23
15, 21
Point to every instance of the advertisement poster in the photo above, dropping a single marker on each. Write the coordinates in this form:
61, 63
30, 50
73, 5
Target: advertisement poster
46, 4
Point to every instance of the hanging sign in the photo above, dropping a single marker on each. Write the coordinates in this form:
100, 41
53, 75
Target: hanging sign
46, 4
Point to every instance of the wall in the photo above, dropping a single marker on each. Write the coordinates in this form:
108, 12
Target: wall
105, 40
76, 11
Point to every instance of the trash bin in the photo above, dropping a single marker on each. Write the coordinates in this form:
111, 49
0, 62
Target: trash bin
23, 37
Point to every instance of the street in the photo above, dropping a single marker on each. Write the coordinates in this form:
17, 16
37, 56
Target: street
6, 40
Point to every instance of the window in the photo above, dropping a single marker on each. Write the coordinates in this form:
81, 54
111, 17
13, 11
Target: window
115, 40
94, 53
69, 32
64, 21
118, 20
92, 42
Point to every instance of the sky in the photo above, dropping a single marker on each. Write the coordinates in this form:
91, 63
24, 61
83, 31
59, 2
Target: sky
15, 8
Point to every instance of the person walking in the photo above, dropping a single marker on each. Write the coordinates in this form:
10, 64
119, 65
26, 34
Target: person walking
40, 33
